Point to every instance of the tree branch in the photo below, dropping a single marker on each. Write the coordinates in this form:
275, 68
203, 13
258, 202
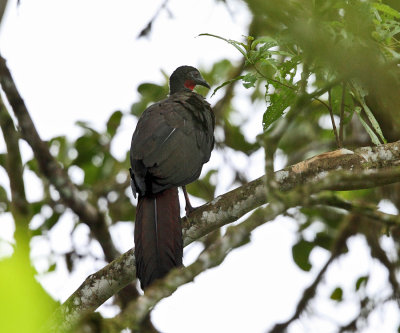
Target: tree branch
338, 143
52, 170
14, 162
342, 107
338, 170
3, 6
146, 30
360, 208
19, 206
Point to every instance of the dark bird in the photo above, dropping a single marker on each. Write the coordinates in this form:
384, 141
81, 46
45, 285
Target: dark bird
171, 142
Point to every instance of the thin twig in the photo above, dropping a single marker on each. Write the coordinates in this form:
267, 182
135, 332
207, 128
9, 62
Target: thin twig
368, 210
342, 105
333, 118
146, 30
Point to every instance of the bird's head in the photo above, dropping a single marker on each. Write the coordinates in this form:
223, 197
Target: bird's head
184, 78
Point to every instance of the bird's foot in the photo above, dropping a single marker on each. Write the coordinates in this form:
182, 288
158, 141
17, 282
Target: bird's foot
189, 209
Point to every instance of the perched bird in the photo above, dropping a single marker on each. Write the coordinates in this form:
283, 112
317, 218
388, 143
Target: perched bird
172, 140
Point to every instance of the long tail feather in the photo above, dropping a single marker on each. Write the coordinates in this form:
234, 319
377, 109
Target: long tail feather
158, 236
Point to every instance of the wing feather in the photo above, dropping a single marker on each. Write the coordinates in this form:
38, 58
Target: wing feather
172, 141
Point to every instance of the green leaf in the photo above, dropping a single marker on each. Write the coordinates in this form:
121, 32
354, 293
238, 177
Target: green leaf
85, 125
360, 95
362, 280
370, 132
279, 100
3, 160
203, 188
92, 173
260, 50
51, 221
113, 123
324, 240
239, 46
24, 305
226, 83
108, 166
373, 121
249, 80
301, 253
86, 146
121, 209
360, 195
138, 108
386, 9
289, 67
33, 165
337, 294
3, 200
62, 145
36, 207
152, 92
235, 139
3, 194
266, 41
52, 268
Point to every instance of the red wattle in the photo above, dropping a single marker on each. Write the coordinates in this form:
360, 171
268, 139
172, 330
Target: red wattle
189, 84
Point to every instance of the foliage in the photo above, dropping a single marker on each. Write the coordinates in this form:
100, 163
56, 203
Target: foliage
366, 31
24, 305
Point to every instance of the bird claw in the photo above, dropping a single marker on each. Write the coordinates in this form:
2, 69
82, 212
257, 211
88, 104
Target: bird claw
188, 208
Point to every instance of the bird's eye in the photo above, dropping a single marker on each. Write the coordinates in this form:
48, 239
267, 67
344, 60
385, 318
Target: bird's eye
195, 74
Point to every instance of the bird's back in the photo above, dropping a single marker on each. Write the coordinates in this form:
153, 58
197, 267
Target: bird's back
172, 141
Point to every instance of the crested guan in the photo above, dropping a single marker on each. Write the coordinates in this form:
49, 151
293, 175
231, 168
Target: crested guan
171, 142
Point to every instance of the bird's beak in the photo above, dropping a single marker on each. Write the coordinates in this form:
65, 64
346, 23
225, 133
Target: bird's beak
201, 82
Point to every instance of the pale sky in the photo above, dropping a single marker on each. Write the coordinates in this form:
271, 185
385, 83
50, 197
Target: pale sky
80, 60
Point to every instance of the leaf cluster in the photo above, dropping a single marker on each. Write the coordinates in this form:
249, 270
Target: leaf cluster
318, 44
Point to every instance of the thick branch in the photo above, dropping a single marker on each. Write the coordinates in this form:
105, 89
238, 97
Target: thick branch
19, 206
234, 204
3, 5
347, 170
13, 162
52, 170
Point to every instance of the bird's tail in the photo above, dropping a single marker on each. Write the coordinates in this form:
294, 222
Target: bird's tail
158, 235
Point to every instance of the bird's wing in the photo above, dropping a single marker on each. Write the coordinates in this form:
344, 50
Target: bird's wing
170, 144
